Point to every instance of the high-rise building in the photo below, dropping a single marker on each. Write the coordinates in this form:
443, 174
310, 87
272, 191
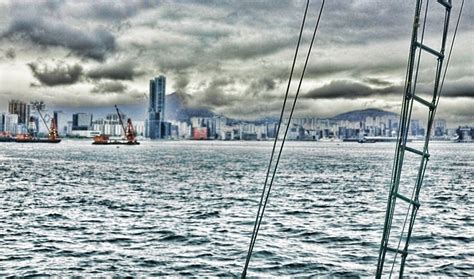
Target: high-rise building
81, 121
61, 122
21, 109
2, 122
11, 123
156, 108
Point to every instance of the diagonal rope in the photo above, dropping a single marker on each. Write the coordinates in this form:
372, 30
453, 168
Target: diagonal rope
252, 240
450, 50
260, 215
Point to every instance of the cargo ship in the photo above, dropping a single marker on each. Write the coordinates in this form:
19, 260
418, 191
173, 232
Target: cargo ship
129, 131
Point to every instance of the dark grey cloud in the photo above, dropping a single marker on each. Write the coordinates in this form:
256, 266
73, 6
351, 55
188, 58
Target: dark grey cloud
214, 95
59, 74
460, 88
10, 53
125, 70
260, 86
95, 44
377, 81
350, 90
245, 48
119, 10
109, 87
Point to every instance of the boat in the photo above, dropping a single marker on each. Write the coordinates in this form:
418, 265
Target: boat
367, 139
105, 140
6, 137
129, 131
25, 138
31, 137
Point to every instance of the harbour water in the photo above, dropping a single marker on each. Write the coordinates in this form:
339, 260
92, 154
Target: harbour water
187, 208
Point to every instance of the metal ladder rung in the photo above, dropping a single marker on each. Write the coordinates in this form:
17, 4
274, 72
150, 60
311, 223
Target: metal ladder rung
402, 197
396, 250
424, 102
412, 150
445, 4
430, 50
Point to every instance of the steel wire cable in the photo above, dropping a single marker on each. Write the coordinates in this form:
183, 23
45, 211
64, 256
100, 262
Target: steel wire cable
262, 207
249, 253
450, 51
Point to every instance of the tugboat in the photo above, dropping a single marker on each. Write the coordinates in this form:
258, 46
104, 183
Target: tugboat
31, 137
130, 135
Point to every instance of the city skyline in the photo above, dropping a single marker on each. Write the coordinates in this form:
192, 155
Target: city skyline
231, 57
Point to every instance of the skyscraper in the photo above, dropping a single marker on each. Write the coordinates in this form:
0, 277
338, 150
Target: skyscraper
61, 122
21, 109
156, 107
81, 121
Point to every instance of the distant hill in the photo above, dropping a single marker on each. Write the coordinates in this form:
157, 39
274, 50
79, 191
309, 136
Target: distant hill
177, 108
359, 115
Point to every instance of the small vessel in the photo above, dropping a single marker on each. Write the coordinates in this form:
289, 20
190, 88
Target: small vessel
104, 140
130, 135
6, 137
26, 138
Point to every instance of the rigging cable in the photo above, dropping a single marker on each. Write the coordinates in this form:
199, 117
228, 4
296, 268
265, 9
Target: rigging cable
249, 253
263, 204
450, 50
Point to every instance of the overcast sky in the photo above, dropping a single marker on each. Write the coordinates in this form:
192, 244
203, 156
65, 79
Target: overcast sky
231, 56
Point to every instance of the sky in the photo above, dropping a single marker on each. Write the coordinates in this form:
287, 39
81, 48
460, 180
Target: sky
233, 57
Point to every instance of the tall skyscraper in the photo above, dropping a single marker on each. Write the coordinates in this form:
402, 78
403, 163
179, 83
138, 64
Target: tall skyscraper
81, 121
21, 109
156, 107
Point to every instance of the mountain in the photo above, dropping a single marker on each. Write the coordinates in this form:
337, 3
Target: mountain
177, 108
360, 115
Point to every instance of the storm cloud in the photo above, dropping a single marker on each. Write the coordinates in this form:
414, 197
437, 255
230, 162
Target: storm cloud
118, 71
59, 74
233, 57
109, 87
95, 44
350, 90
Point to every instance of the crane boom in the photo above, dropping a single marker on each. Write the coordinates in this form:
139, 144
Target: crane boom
120, 119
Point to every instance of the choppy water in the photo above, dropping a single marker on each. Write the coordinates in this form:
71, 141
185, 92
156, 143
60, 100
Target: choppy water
187, 208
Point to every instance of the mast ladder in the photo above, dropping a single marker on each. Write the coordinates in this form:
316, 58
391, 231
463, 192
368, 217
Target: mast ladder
410, 96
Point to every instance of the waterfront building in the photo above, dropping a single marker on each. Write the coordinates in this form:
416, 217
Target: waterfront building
2, 122
81, 121
156, 109
21, 109
10, 123
139, 127
439, 128
61, 122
